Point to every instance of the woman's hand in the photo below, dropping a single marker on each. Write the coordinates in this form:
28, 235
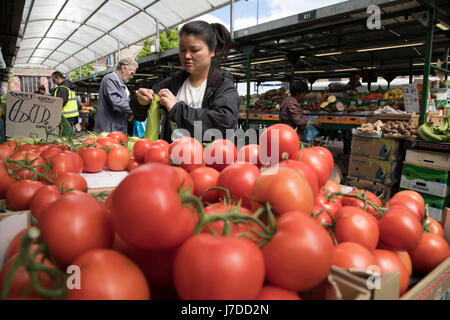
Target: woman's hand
167, 99
144, 96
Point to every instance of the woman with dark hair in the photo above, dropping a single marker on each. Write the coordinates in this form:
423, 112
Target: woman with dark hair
201, 93
290, 111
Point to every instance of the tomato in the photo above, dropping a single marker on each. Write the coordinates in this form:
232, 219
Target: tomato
331, 187
105, 142
161, 143
184, 179
187, 152
408, 203
431, 252
132, 164
5, 180
109, 275
356, 225
94, 159
400, 229
269, 292
249, 154
306, 171
118, 137
205, 178
285, 189
5, 152
21, 280
390, 262
33, 158
277, 142
433, 226
14, 245
42, 199
91, 141
28, 148
11, 144
220, 153
352, 255
354, 202
156, 265
317, 162
298, 236
236, 229
118, 158
70, 180
323, 218
19, 194
321, 201
50, 153
157, 154
140, 148
66, 161
74, 224
412, 194
406, 259
327, 155
239, 179
218, 268
147, 211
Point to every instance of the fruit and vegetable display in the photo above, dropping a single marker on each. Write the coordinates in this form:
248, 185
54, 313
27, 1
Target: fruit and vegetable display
392, 128
268, 102
431, 133
197, 222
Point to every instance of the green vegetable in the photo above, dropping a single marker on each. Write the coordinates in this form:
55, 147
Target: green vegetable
153, 116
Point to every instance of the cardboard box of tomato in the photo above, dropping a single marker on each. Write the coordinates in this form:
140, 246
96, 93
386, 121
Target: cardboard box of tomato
10, 224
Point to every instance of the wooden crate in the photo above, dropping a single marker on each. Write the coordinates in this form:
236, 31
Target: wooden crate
271, 116
255, 116
353, 120
329, 119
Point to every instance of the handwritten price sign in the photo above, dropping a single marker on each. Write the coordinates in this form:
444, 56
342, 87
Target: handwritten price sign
30, 115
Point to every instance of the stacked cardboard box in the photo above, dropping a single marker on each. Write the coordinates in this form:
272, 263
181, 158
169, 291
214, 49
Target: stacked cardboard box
428, 173
375, 165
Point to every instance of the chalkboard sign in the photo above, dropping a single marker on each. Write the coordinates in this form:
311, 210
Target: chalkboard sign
30, 115
411, 98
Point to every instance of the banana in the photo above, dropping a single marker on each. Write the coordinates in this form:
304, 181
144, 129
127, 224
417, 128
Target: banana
444, 126
426, 132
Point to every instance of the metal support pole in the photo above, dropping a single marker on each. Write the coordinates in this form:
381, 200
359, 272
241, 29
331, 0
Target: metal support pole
426, 71
247, 51
410, 70
232, 19
446, 63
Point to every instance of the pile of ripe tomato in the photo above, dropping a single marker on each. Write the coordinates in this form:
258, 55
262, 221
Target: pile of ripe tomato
190, 222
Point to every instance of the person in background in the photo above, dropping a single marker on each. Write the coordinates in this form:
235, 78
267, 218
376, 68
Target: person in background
290, 111
40, 90
354, 83
113, 98
201, 91
66, 90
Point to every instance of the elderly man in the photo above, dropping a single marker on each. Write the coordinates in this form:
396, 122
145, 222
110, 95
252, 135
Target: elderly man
113, 98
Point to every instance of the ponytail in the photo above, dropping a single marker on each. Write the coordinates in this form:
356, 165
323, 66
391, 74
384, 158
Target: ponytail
215, 35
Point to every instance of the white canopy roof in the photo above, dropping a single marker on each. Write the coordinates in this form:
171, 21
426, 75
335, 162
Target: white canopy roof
67, 34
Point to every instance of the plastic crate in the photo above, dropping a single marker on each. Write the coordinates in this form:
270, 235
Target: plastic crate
271, 116
330, 119
353, 120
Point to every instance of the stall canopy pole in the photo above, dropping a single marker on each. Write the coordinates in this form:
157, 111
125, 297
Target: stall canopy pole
410, 70
232, 19
446, 63
426, 71
247, 51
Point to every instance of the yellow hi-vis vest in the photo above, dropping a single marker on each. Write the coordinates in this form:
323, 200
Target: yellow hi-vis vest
70, 109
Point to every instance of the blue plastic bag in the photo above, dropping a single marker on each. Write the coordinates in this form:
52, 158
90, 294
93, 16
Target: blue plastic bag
310, 133
139, 128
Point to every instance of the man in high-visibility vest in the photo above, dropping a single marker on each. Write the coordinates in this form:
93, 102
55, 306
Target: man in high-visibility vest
66, 91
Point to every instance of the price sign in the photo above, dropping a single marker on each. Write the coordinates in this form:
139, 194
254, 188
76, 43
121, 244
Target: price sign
411, 98
30, 115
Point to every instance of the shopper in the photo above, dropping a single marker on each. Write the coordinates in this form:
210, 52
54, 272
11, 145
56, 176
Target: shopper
66, 90
40, 90
354, 84
291, 112
113, 98
199, 93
